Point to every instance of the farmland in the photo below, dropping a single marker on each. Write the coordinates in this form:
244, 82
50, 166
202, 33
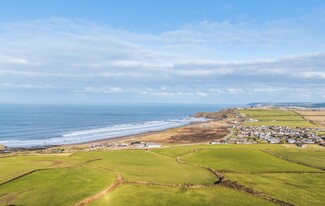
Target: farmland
55, 187
149, 195
268, 117
242, 160
229, 174
141, 165
314, 158
298, 189
304, 124
12, 167
318, 117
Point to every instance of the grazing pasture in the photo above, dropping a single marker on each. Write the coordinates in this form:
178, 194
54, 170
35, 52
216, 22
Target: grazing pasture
159, 177
183, 150
302, 124
55, 187
280, 118
242, 160
273, 117
11, 167
132, 195
141, 165
298, 189
312, 157
266, 112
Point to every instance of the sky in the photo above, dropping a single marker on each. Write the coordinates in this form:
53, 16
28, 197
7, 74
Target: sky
171, 51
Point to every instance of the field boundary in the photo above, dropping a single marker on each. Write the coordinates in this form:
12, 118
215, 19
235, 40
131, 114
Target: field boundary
119, 181
223, 181
312, 122
292, 161
45, 169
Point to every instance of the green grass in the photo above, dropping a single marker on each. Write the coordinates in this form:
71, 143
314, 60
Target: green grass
314, 158
281, 123
67, 186
183, 150
14, 166
266, 112
55, 187
131, 195
279, 118
141, 165
244, 160
268, 117
298, 189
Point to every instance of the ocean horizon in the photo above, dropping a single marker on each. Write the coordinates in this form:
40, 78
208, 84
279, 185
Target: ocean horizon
27, 125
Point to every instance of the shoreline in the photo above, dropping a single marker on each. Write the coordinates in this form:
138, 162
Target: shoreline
129, 137
106, 140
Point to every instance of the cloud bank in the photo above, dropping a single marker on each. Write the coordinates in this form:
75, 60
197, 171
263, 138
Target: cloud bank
201, 62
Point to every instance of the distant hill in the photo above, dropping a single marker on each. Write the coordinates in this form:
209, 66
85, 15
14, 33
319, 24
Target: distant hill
289, 104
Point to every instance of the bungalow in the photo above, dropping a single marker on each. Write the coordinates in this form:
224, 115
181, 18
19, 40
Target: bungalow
309, 141
274, 141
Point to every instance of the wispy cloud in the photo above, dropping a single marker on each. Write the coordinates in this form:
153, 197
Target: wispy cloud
205, 59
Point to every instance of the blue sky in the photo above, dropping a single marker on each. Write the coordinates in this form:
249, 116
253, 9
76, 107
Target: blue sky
162, 51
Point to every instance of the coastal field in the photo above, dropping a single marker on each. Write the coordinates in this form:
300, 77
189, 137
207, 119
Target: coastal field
273, 117
317, 116
153, 195
260, 174
298, 189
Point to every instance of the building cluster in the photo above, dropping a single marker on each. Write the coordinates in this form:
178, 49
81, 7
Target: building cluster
280, 134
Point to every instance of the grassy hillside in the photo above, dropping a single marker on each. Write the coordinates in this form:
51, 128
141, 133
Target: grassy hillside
141, 165
298, 189
158, 177
11, 167
131, 195
55, 187
242, 160
314, 158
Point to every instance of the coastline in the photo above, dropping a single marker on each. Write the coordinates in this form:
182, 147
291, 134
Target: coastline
120, 139
191, 132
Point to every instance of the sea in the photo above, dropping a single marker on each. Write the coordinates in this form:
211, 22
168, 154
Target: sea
27, 125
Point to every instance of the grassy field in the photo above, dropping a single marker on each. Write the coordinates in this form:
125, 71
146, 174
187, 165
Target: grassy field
182, 150
266, 112
302, 124
244, 160
67, 182
315, 158
141, 165
55, 187
268, 117
148, 195
298, 189
14, 166
280, 118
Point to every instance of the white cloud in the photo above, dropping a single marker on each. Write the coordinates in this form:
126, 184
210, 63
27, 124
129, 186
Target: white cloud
105, 90
25, 86
203, 59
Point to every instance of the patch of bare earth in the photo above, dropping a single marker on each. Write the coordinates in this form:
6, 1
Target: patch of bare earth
196, 134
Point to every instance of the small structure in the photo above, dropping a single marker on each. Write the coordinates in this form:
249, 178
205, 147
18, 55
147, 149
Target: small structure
274, 141
152, 145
